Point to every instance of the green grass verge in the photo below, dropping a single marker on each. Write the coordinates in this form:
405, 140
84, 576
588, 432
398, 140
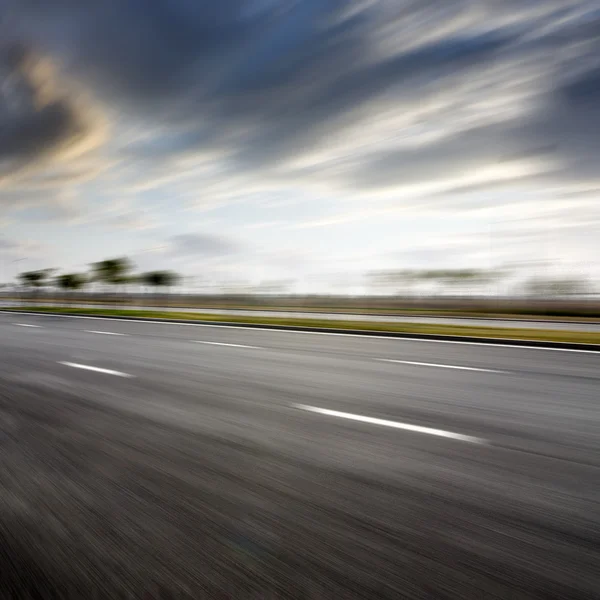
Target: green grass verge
548, 335
520, 313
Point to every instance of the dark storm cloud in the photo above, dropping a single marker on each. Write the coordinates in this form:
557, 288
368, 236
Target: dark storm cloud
143, 49
36, 118
305, 122
271, 79
565, 127
212, 52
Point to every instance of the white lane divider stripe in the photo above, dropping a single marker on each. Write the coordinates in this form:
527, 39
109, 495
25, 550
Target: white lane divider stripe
96, 369
27, 325
223, 344
104, 332
439, 366
394, 424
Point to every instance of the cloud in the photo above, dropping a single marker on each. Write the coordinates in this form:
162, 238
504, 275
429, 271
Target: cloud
39, 120
357, 97
134, 221
570, 125
223, 258
7, 245
202, 245
22, 249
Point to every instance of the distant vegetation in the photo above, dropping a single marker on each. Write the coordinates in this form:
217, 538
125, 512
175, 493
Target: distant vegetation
393, 291
117, 275
114, 273
403, 283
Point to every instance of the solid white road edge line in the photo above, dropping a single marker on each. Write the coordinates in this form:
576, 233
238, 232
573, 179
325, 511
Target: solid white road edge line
368, 336
96, 369
224, 344
394, 424
424, 364
104, 332
27, 325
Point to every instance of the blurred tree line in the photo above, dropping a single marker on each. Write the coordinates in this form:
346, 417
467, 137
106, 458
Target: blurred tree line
117, 275
114, 273
407, 282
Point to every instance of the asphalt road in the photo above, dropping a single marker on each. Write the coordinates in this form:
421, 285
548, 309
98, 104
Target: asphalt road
143, 460
437, 320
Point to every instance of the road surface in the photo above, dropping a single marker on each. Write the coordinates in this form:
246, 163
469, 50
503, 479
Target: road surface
149, 460
437, 320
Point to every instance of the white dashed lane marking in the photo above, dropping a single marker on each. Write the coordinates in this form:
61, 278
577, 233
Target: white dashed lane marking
439, 366
28, 325
394, 424
105, 332
95, 369
224, 344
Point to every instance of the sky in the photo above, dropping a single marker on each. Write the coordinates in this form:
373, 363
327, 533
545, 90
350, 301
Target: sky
306, 141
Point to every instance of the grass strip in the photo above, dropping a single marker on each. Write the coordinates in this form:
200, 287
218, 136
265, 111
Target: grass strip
547, 335
517, 314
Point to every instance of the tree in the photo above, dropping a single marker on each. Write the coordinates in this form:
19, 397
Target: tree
159, 279
113, 271
71, 282
35, 280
